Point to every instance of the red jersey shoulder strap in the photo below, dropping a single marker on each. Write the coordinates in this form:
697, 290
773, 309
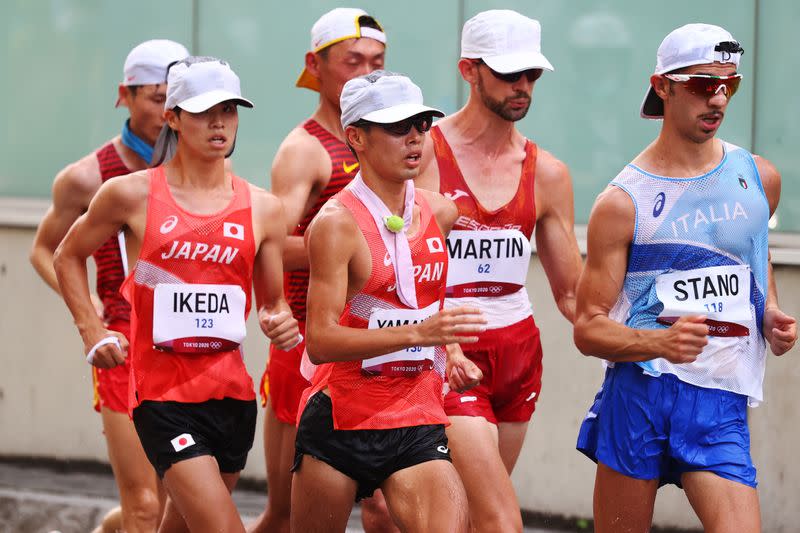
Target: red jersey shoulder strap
529, 173
450, 175
111, 164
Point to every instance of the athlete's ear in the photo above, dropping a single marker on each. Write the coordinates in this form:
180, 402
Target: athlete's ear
660, 85
468, 69
312, 64
171, 118
355, 137
123, 93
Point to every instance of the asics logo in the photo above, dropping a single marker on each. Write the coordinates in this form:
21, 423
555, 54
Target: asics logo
658, 207
169, 224
455, 195
442, 449
349, 168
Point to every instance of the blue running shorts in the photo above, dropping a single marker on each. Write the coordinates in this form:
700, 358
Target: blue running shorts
649, 427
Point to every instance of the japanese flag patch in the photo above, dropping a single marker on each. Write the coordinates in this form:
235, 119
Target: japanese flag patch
182, 442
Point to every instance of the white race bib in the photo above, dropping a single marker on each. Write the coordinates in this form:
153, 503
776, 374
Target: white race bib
198, 318
408, 362
487, 263
722, 293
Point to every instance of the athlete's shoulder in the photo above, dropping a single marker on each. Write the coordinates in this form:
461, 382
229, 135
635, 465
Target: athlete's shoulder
443, 208
770, 180
333, 221
301, 157
80, 179
133, 187
549, 169
613, 206
264, 202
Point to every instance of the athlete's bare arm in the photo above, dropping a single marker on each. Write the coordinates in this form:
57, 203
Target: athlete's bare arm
299, 172
340, 266
274, 314
73, 190
610, 234
121, 202
780, 329
556, 244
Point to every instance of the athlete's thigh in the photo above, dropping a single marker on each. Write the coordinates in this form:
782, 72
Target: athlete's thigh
474, 449
722, 505
427, 497
322, 497
511, 437
375, 517
279, 451
622, 503
202, 495
132, 470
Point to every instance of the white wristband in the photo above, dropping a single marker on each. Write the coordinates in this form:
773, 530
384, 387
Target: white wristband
299, 340
111, 339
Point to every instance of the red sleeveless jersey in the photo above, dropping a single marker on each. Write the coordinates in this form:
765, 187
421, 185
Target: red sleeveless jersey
404, 388
489, 250
108, 258
343, 169
519, 213
190, 294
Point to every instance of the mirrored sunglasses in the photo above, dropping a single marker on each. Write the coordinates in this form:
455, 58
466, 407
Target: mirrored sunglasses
707, 85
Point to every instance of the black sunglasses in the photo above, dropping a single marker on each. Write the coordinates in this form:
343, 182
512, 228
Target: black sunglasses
421, 122
513, 77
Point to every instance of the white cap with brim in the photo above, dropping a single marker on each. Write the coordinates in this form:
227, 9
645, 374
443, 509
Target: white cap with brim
692, 44
333, 27
148, 62
505, 40
196, 85
382, 97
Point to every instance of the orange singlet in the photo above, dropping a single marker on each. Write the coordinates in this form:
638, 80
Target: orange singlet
404, 388
190, 294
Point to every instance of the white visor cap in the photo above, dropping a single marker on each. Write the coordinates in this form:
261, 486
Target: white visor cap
382, 97
333, 27
147, 63
198, 86
692, 44
505, 40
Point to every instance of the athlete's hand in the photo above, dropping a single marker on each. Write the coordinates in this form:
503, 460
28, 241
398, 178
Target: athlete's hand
282, 329
108, 355
685, 339
462, 374
450, 326
780, 330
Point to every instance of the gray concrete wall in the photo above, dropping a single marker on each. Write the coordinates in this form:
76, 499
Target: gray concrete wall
46, 393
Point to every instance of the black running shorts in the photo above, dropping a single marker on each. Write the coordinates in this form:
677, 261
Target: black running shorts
369, 456
176, 431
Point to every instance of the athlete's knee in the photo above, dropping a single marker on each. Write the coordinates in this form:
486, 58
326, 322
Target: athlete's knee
497, 520
142, 506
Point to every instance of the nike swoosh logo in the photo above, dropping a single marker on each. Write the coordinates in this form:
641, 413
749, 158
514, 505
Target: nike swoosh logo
455, 195
350, 168
387, 260
531, 397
